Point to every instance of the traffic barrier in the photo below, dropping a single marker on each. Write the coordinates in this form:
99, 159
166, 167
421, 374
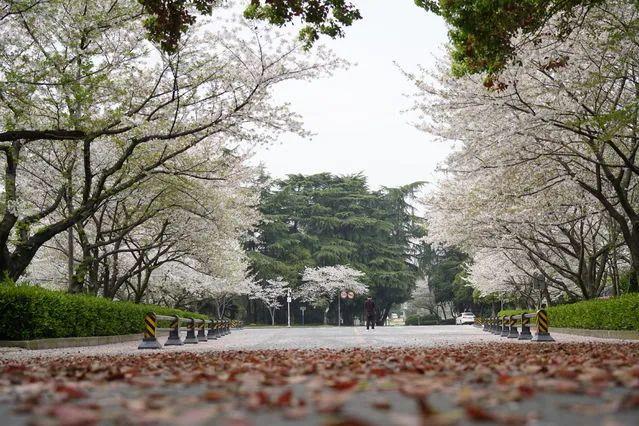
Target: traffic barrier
496, 326
506, 326
201, 333
150, 341
216, 329
174, 335
525, 328
191, 338
512, 328
212, 334
542, 335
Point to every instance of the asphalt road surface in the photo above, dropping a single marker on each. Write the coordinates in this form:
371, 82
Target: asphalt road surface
310, 338
412, 376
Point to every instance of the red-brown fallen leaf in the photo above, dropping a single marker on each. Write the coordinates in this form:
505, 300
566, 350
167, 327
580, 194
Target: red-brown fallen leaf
478, 413
566, 373
504, 379
379, 372
381, 404
344, 384
213, 396
71, 415
257, 400
285, 398
526, 391
70, 391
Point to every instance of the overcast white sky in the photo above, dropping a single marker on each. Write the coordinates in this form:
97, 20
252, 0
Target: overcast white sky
356, 115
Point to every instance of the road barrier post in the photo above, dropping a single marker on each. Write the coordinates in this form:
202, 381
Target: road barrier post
497, 326
149, 341
504, 327
525, 328
542, 334
201, 334
174, 334
212, 334
512, 332
190, 332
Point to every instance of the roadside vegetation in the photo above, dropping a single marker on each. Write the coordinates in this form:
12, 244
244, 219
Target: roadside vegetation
619, 313
30, 312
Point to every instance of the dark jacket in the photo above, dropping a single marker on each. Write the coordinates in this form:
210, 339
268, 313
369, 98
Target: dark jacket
369, 307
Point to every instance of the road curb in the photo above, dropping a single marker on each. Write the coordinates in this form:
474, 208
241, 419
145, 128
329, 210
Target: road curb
71, 342
602, 334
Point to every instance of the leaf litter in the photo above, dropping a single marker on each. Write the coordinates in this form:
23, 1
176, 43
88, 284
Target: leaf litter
360, 386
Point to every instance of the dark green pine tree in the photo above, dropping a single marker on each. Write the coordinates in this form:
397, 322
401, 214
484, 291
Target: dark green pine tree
324, 220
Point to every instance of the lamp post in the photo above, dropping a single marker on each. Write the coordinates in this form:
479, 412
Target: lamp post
288, 302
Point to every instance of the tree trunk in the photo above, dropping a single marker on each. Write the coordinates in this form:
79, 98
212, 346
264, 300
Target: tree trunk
70, 258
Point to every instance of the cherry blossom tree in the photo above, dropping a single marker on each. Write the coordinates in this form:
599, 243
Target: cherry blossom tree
544, 174
113, 111
322, 284
270, 293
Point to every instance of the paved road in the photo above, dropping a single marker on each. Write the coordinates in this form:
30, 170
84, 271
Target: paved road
309, 338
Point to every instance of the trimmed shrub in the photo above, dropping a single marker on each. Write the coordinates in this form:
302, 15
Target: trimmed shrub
619, 313
29, 312
421, 320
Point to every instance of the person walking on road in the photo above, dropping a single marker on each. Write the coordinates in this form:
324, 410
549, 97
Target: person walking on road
369, 311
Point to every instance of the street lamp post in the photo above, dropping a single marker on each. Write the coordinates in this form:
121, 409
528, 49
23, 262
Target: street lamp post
339, 311
288, 302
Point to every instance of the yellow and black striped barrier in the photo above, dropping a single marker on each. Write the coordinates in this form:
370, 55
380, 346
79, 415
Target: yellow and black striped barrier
525, 328
216, 329
506, 326
191, 338
512, 328
542, 335
213, 333
201, 333
150, 341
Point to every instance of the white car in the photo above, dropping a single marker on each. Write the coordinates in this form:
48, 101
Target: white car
465, 318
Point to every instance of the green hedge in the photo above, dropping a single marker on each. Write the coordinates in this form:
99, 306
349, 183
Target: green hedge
620, 313
427, 320
29, 312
